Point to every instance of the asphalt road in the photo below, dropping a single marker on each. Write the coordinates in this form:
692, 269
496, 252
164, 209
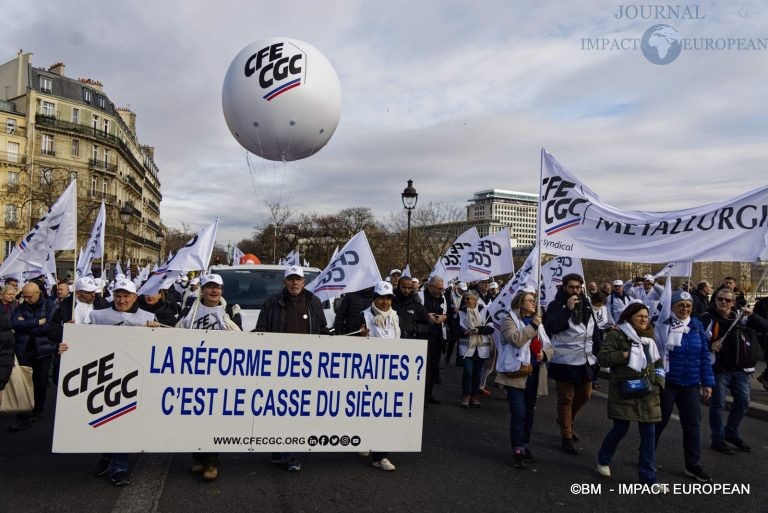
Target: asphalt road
464, 466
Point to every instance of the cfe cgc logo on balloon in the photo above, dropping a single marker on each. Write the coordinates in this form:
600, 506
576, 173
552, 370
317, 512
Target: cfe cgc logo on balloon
107, 389
280, 68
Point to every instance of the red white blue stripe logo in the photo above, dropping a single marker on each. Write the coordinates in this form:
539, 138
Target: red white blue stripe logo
563, 226
274, 93
109, 417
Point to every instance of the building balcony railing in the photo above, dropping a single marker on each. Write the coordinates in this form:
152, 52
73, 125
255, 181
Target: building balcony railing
153, 226
13, 158
103, 196
100, 165
134, 184
153, 206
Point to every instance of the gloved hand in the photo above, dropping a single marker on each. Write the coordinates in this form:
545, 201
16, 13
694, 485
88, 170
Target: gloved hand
485, 330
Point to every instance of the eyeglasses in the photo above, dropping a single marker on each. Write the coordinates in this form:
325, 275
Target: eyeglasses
725, 299
687, 306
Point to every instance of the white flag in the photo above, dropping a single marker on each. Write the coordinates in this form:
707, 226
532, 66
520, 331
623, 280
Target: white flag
662, 319
575, 222
552, 276
449, 265
292, 259
353, 269
193, 256
676, 269
143, 275
487, 257
406, 272
95, 246
236, 255
118, 269
525, 279
54, 231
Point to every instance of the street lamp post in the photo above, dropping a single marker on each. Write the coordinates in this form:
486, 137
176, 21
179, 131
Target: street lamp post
125, 217
160, 237
410, 197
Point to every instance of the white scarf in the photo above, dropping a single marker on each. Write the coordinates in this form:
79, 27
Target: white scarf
475, 320
524, 352
677, 327
384, 320
207, 317
637, 359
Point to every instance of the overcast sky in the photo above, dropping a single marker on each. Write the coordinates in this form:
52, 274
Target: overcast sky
457, 95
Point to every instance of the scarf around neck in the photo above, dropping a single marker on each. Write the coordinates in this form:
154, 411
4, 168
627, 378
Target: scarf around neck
381, 319
637, 359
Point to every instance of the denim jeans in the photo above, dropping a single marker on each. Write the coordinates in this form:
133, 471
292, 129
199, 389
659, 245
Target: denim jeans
689, 408
647, 452
118, 462
738, 383
522, 405
470, 378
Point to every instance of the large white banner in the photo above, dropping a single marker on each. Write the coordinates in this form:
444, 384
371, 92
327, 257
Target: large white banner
449, 265
487, 257
552, 276
575, 222
354, 268
132, 389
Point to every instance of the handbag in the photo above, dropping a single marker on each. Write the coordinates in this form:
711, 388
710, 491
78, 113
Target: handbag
524, 370
19, 393
634, 388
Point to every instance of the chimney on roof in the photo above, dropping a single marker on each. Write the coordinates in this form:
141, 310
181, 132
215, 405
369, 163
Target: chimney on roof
57, 69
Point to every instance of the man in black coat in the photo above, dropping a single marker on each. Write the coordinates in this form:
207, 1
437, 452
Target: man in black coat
438, 305
412, 314
292, 310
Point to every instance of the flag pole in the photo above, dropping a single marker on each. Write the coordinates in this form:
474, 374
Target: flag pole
538, 236
74, 248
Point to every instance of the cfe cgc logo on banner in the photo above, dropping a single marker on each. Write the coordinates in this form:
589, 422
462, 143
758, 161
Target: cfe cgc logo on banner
106, 388
279, 68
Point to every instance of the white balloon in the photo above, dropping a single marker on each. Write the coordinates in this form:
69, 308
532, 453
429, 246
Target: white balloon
281, 99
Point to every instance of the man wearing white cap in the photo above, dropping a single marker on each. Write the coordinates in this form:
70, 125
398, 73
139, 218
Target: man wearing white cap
292, 310
210, 312
394, 276
125, 311
192, 292
649, 293
617, 301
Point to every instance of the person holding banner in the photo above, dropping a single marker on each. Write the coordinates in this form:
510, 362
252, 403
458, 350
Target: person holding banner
688, 378
125, 311
734, 342
523, 329
570, 325
637, 379
474, 347
209, 312
292, 310
380, 320
166, 313
32, 321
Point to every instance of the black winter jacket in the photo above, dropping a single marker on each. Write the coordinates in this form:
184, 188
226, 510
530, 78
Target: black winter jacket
272, 316
7, 342
32, 340
413, 316
349, 310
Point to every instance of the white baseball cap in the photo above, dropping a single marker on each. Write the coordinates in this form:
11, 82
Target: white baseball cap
462, 286
618, 282
649, 277
211, 278
125, 285
393, 271
86, 284
383, 288
294, 270
494, 285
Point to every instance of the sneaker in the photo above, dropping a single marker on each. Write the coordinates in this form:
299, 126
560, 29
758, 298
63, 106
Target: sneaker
763, 381
211, 472
528, 456
486, 391
568, 446
698, 474
364, 454
197, 468
276, 458
384, 464
739, 443
474, 402
721, 447
292, 465
603, 470
517, 459
101, 466
119, 478
465, 402
596, 385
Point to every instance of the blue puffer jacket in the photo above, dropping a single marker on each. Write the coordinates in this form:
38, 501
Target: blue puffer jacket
26, 324
689, 363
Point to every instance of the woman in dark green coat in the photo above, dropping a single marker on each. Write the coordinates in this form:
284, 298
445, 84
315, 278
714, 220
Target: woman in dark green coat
637, 377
